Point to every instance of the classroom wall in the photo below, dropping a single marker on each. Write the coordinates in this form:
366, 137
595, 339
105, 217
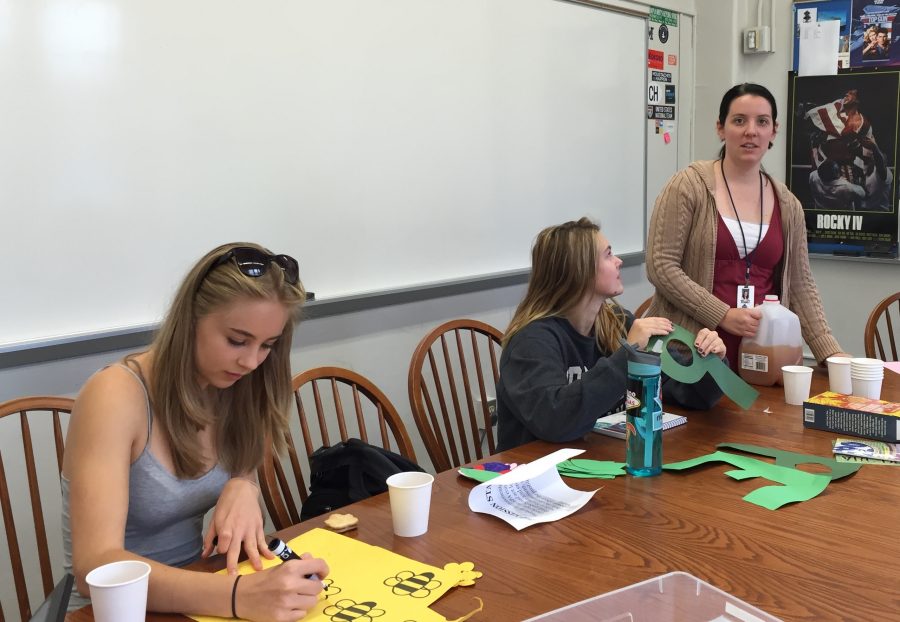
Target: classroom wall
849, 288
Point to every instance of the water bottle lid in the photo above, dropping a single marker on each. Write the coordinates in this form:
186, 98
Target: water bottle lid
770, 298
647, 362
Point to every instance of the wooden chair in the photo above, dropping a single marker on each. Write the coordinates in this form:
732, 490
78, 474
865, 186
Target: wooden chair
327, 390
880, 329
40, 420
455, 367
641, 311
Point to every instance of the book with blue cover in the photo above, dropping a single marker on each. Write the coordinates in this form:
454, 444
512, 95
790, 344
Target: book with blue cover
874, 450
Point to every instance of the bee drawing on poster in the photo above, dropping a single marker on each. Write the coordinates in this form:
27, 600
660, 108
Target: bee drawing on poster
874, 42
843, 144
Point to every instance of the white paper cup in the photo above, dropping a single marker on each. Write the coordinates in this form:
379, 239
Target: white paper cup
839, 374
867, 388
119, 591
797, 380
410, 495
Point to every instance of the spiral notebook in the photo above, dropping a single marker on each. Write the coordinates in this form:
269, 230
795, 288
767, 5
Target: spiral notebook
614, 424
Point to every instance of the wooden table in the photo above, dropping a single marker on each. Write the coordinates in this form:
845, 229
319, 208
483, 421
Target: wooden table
831, 558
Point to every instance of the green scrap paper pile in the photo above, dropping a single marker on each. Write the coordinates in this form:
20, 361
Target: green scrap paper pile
597, 469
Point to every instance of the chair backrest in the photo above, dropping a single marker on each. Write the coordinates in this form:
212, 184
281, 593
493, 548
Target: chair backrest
39, 420
453, 376
880, 338
333, 404
643, 307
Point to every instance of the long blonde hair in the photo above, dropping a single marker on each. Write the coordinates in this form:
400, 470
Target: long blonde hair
563, 269
247, 415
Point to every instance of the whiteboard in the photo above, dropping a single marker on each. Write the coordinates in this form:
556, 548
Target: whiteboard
384, 144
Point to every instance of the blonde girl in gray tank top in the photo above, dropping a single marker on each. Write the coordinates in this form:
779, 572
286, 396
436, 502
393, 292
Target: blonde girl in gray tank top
180, 429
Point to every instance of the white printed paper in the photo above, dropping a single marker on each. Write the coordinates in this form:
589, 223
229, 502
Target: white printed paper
531, 493
819, 45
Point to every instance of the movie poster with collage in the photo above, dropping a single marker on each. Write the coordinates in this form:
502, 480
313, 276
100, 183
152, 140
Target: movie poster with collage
842, 160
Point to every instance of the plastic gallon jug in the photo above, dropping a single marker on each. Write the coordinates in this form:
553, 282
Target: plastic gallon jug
777, 342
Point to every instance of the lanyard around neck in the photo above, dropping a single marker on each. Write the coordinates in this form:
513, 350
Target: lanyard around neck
743, 239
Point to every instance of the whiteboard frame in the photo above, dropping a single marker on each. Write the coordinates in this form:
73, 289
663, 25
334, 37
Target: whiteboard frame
70, 346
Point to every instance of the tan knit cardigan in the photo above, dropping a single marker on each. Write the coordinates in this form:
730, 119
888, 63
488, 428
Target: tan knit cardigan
681, 250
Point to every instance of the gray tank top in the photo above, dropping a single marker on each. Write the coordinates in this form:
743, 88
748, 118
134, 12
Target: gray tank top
165, 514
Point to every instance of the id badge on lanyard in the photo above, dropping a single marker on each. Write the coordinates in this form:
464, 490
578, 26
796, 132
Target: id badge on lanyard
746, 295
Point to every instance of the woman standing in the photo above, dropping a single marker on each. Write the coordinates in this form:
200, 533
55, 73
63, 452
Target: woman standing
724, 230
156, 441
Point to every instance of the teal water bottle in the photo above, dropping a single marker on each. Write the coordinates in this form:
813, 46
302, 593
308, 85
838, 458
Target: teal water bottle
643, 415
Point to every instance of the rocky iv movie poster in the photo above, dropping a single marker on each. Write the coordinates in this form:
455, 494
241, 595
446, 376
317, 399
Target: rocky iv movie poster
842, 160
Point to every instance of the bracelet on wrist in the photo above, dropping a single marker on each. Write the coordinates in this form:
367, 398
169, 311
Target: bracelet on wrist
234, 596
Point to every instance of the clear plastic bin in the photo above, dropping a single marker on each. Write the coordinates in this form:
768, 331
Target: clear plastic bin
673, 597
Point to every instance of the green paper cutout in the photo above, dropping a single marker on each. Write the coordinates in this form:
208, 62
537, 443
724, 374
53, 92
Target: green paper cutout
792, 459
731, 384
479, 475
796, 485
590, 469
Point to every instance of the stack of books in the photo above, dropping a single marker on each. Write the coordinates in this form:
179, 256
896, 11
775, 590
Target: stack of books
614, 424
850, 414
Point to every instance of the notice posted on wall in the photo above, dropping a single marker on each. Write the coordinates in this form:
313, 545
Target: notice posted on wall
662, 67
531, 493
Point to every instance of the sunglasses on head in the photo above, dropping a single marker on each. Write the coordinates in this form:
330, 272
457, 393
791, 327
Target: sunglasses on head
255, 263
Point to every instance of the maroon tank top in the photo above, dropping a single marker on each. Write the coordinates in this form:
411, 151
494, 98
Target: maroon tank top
730, 269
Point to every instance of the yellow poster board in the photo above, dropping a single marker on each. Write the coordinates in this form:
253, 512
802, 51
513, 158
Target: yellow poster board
371, 584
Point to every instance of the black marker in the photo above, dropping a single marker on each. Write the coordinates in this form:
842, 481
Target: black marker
282, 550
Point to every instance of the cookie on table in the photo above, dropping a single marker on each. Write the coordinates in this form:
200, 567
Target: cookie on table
341, 522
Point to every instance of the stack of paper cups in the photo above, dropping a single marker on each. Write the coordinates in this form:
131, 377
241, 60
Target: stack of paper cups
866, 376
